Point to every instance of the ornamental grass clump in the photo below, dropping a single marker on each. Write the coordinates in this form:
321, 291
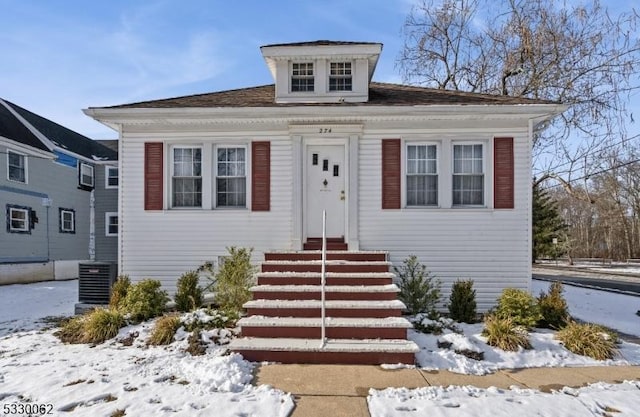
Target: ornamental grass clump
588, 339
102, 324
189, 295
462, 302
119, 291
553, 308
419, 290
164, 330
505, 334
72, 330
520, 306
144, 301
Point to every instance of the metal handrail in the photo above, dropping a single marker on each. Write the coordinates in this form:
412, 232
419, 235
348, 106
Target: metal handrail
323, 273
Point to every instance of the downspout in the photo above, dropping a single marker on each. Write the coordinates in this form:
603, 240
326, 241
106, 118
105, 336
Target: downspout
92, 226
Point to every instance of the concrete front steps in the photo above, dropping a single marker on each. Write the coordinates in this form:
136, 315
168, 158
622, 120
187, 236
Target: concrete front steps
363, 316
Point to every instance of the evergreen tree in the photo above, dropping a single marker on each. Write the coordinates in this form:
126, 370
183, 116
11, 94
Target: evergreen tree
547, 225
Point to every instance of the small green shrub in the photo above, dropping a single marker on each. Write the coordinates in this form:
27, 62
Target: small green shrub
144, 300
587, 340
505, 334
233, 279
164, 330
419, 290
188, 295
72, 330
119, 291
462, 302
102, 324
520, 306
553, 307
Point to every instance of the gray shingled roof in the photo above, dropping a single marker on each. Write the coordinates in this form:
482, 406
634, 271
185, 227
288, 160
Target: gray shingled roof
61, 136
380, 94
12, 128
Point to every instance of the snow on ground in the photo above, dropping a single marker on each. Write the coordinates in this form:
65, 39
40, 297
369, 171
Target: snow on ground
82, 380
622, 400
613, 310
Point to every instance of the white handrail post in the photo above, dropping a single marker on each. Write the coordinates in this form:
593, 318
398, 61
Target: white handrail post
323, 274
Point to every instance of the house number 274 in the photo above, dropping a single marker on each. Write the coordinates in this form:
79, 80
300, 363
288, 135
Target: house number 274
325, 130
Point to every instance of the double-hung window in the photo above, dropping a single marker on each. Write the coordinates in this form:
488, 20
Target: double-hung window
340, 78
17, 167
111, 177
231, 176
111, 224
67, 220
302, 76
186, 177
468, 175
18, 219
86, 176
422, 175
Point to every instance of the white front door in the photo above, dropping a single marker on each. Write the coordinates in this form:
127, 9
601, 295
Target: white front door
325, 190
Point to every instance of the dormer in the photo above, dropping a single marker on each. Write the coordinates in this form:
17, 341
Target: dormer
322, 71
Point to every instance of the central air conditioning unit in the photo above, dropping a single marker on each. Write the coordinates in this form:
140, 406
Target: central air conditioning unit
95, 280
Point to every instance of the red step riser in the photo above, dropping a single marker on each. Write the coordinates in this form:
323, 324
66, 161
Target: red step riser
310, 256
291, 295
330, 246
345, 268
316, 281
331, 332
330, 312
353, 358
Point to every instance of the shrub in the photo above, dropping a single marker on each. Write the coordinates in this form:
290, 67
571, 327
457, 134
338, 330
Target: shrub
164, 330
553, 307
520, 306
206, 319
72, 330
504, 333
587, 340
234, 278
102, 324
462, 307
419, 290
189, 294
144, 300
119, 291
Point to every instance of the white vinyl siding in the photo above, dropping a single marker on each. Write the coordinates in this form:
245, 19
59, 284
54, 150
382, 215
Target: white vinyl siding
231, 176
468, 175
16, 167
421, 174
186, 177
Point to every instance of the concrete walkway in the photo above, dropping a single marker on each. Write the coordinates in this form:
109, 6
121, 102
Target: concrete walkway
341, 390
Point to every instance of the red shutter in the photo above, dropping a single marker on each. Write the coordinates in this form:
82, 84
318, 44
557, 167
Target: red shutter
260, 176
391, 173
503, 173
153, 178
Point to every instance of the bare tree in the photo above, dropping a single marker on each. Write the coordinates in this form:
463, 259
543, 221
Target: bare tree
577, 54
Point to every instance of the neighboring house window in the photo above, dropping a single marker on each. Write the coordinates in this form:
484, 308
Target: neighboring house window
111, 224
18, 219
16, 167
111, 177
422, 175
67, 220
231, 177
302, 76
186, 177
340, 76
468, 175
86, 176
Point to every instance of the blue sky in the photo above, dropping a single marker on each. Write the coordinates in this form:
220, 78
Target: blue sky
59, 57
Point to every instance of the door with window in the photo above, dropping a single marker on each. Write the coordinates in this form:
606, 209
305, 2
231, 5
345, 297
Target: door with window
325, 190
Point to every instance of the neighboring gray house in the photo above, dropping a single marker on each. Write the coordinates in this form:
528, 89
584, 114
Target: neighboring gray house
54, 196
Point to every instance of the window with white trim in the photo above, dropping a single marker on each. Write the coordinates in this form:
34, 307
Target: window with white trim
18, 219
16, 167
302, 78
110, 177
340, 76
186, 177
468, 174
86, 175
231, 176
422, 175
67, 220
111, 224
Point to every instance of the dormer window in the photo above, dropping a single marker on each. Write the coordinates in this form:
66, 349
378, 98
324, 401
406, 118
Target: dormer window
302, 76
340, 76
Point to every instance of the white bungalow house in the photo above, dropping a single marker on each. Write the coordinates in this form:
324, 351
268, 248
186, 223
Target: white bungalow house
402, 169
